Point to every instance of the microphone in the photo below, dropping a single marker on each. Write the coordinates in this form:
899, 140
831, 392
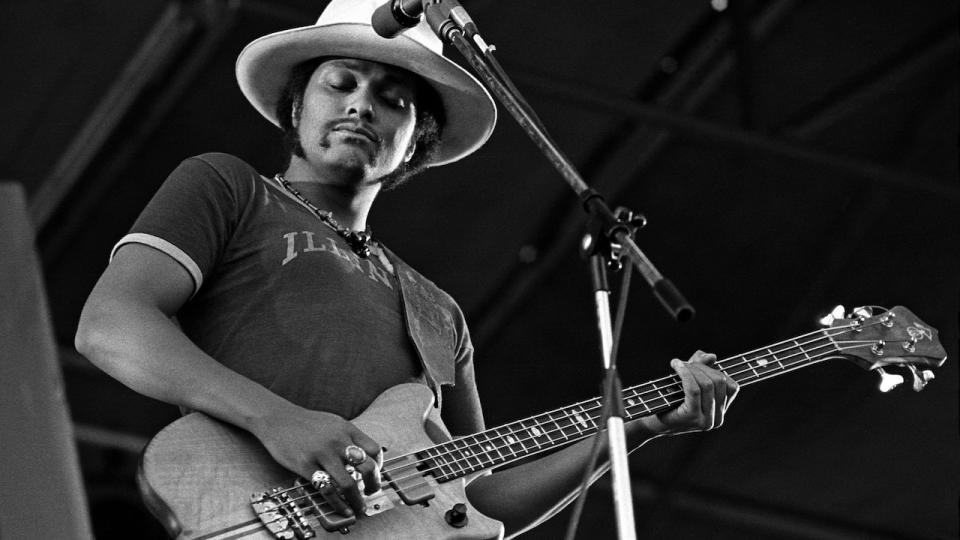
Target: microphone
395, 16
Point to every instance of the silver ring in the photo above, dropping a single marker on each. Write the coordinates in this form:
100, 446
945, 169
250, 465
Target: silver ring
320, 479
354, 455
353, 472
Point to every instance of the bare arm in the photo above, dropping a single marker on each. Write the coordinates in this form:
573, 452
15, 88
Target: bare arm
524, 496
125, 329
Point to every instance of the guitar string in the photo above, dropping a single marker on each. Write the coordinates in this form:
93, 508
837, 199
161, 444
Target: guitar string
751, 379
747, 380
671, 379
651, 386
457, 446
824, 334
635, 410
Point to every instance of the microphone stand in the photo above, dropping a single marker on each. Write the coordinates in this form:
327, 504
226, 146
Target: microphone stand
609, 237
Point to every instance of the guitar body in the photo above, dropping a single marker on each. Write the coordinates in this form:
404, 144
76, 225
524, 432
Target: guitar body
198, 474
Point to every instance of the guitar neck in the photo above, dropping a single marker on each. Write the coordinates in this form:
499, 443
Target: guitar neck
543, 432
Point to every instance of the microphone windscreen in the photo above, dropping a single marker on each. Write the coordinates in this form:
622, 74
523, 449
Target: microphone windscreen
383, 21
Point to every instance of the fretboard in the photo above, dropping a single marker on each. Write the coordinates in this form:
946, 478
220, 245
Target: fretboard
523, 438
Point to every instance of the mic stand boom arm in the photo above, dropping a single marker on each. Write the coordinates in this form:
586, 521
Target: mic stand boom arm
609, 237
448, 19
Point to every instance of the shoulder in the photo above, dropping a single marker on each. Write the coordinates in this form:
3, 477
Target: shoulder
225, 165
218, 175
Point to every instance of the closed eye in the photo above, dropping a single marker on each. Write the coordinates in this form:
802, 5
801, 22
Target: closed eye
396, 102
341, 80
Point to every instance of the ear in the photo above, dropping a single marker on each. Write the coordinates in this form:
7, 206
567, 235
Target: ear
295, 113
410, 152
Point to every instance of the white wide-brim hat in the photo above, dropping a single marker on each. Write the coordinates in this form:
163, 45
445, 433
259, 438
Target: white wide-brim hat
344, 30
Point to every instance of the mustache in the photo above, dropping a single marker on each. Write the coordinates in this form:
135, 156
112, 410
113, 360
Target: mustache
355, 126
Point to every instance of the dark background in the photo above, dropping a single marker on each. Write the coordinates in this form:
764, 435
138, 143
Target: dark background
790, 156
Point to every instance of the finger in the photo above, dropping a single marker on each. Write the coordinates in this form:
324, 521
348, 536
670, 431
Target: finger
370, 446
721, 383
330, 494
691, 390
718, 381
369, 468
707, 405
346, 486
733, 389
349, 490
705, 358
369, 472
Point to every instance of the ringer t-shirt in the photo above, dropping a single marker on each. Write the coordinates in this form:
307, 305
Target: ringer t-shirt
279, 296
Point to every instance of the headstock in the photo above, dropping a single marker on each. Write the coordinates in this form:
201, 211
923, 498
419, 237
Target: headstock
894, 338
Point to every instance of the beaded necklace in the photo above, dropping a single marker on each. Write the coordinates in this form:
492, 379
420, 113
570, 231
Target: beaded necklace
359, 241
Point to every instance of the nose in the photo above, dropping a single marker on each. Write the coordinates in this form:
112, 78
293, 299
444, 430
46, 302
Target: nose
361, 104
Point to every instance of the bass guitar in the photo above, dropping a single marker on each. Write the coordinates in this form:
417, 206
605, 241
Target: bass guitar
206, 480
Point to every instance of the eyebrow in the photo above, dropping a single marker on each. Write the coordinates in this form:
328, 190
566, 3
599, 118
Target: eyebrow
393, 74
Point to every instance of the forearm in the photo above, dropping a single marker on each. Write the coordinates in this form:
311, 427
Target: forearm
142, 348
525, 495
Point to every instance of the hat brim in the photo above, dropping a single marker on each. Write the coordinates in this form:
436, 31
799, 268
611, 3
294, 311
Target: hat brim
264, 66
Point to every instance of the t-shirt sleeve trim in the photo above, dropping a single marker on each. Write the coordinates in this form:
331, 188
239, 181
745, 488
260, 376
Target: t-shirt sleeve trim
159, 243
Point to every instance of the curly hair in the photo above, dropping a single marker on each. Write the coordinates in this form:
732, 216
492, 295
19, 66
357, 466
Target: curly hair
426, 133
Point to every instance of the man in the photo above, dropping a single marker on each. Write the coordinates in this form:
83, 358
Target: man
292, 316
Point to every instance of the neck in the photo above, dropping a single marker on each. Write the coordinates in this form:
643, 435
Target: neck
348, 199
520, 439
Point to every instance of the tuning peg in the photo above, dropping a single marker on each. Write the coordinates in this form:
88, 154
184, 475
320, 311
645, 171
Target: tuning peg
920, 378
836, 313
888, 381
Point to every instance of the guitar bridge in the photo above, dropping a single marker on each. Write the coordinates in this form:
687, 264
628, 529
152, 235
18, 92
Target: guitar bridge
281, 513
295, 513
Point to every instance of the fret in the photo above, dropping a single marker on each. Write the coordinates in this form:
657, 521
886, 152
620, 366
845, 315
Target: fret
502, 433
473, 462
804, 351
774, 355
675, 389
586, 419
543, 431
555, 428
635, 400
490, 448
493, 443
573, 421
514, 440
566, 425
558, 428
657, 397
480, 450
456, 455
749, 365
440, 463
832, 342
762, 365
531, 434
552, 428
597, 406
500, 442
447, 462
474, 454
